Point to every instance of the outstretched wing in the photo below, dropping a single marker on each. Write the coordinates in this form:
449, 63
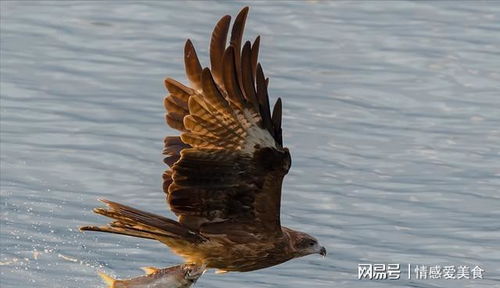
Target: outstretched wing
228, 164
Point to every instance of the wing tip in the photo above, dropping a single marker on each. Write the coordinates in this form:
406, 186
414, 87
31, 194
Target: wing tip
224, 19
190, 51
239, 25
244, 10
168, 81
105, 201
86, 228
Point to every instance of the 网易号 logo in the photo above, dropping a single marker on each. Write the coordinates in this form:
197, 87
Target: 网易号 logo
418, 272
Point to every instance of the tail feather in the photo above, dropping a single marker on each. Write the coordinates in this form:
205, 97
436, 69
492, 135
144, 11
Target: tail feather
133, 222
128, 232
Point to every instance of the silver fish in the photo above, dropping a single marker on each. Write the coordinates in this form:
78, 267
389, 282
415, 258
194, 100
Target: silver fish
180, 276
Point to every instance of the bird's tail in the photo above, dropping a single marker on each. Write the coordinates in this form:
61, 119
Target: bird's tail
133, 222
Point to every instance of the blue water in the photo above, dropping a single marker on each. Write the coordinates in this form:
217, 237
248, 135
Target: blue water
391, 111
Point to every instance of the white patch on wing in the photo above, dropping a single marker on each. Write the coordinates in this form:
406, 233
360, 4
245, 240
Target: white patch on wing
256, 135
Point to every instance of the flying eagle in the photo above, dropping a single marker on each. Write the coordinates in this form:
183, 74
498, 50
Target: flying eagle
226, 167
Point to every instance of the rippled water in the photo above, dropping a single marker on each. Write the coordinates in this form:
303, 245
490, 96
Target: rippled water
391, 110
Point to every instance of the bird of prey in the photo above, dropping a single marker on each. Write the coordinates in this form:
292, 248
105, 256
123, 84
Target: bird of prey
226, 167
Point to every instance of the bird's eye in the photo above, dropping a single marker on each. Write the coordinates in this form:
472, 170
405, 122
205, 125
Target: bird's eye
311, 243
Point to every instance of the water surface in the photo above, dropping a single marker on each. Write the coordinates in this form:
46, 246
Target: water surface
391, 111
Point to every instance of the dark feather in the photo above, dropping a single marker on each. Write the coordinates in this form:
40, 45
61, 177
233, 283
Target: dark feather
192, 65
212, 94
178, 92
172, 149
122, 231
176, 103
131, 221
276, 119
214, 184
231, 82
172, 106
248, 78
167, 180
175, 120
263, 98
236, 38
217, 47
255, 55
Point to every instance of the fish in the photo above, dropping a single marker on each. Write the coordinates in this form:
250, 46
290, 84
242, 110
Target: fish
180, 276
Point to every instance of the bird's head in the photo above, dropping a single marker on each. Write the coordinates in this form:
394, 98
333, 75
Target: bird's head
304, 244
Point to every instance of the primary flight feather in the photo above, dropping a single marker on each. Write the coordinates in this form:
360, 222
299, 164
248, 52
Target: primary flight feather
226, 167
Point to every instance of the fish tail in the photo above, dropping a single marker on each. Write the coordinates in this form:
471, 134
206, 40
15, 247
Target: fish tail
149, 270
110, 281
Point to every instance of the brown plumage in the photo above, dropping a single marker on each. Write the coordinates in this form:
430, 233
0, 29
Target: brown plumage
226, 167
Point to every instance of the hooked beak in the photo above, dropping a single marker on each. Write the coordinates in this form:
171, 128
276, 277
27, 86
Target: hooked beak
322, 251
